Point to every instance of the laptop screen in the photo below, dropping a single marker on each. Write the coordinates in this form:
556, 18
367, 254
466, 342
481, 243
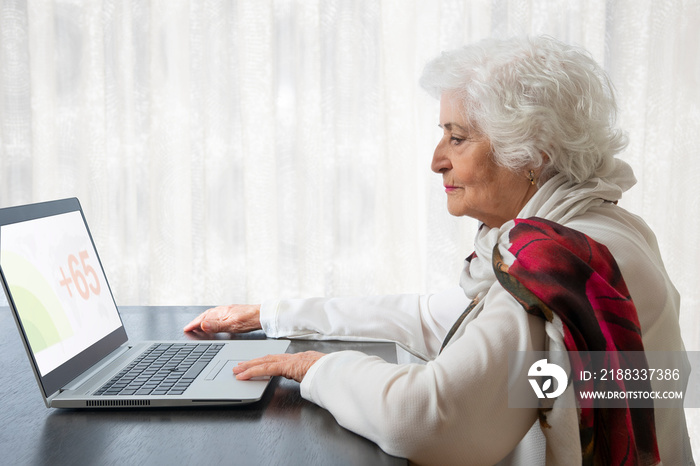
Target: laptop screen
57, 286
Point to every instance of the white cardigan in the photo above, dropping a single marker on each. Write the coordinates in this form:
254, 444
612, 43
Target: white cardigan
454, 409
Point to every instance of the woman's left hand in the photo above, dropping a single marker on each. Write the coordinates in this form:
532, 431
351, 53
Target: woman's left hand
292, 366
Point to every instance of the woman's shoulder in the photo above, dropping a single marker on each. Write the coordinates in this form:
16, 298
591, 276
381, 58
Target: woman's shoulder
633, 245
616, 228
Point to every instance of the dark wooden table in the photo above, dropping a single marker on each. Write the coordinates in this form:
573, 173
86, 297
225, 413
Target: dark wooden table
282, 428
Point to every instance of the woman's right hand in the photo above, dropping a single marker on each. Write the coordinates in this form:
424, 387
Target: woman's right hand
236, 318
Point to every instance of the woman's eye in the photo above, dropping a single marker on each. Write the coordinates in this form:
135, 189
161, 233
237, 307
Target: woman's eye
456, 141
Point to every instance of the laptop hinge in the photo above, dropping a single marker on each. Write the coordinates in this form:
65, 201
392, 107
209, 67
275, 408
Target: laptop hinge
88, 374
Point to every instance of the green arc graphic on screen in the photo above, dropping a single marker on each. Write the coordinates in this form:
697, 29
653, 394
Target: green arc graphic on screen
42, 314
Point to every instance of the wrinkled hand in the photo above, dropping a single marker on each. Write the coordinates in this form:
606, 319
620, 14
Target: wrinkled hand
292, 366
236, 318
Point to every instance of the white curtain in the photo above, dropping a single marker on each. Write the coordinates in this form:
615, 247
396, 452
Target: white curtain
231, 151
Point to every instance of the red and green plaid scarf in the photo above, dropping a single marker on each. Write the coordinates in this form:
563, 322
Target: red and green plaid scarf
560, 271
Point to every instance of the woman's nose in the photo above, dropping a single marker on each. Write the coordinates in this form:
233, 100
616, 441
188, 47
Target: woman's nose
440, 161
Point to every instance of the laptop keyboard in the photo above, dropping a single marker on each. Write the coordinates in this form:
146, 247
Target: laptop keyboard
163, 369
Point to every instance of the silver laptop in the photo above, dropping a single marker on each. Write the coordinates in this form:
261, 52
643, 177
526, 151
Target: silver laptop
74, 336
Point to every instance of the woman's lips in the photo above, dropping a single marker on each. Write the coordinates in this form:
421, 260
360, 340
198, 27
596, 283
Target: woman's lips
449, 189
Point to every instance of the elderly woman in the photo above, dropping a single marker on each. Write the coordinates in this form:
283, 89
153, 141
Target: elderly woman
528, 149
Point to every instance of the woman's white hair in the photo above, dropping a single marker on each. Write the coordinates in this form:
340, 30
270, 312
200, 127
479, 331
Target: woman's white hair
532, 96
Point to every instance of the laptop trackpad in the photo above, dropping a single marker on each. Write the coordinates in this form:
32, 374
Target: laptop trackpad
225, 372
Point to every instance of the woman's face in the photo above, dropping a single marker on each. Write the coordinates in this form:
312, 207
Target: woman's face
475, 185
